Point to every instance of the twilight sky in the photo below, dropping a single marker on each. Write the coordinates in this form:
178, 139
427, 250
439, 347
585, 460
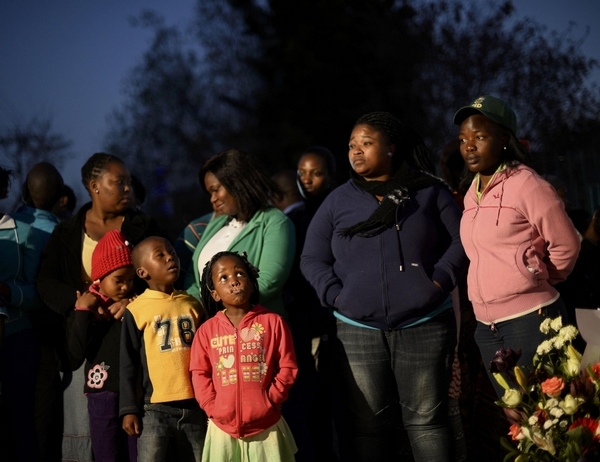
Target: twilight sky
67, 59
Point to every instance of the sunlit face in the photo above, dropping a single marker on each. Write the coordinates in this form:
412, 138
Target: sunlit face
481, 144
160, 263
221, 200
233, 286
114, 188
368, 153
313, 176
118, 284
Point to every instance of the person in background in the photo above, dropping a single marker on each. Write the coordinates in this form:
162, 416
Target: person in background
156, 341
241, 191
139, 192
66, 268
586, 275
580, 218
65, 206
308, 409
515, 231
188, 239
5, 176
23, 235
291, 199
582, 287
383, 252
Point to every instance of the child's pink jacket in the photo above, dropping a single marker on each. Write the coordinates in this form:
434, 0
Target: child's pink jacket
520, 242
242, 375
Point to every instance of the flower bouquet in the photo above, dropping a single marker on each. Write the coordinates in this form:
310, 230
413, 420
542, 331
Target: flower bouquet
554, 407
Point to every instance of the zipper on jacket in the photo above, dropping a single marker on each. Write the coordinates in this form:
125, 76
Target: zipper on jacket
398, 227
384, 298
238, 403
478, 263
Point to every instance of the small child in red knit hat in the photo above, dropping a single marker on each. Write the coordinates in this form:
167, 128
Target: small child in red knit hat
94, 333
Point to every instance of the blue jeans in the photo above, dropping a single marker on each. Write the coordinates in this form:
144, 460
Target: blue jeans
76, 441
519, 333
172, 433
377, 370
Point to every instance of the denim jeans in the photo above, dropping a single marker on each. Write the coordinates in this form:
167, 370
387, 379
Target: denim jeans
519, 333
76, 441
172, 433
377, 370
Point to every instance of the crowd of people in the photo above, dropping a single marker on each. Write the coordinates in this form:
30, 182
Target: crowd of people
295, 321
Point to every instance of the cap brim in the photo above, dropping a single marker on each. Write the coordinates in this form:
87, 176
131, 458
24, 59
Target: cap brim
465, 112
468, 111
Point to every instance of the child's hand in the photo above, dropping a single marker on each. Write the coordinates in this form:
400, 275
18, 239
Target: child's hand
131, 425
87, 300
117, 309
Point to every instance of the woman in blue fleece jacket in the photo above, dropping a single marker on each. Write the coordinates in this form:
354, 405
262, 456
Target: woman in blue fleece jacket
384, 252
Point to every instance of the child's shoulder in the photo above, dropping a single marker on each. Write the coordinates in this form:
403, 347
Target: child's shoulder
260, 311
188, 299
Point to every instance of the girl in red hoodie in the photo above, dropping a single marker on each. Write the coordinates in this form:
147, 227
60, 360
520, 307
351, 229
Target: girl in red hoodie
243, 365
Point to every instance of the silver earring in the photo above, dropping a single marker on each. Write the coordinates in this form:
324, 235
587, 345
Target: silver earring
97, 192
390, 153
505, 148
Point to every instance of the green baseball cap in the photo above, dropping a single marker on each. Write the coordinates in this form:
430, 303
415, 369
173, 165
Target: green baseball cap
493, 108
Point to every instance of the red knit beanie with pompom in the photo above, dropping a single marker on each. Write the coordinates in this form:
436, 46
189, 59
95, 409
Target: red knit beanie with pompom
111, 253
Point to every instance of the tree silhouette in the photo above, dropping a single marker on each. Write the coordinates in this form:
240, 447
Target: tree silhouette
274, 76
165, 128
23, 146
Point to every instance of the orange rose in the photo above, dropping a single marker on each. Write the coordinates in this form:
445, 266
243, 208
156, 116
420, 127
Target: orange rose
596, 369
553, 386
515, 432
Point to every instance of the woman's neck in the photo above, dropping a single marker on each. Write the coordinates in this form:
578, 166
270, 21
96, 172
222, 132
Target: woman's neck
100, 215
98, 222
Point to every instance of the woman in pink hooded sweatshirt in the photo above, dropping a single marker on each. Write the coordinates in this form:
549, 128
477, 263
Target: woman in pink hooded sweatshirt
515, 232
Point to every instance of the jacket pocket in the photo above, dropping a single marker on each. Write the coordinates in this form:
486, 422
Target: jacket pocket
361, 295
413, 289
255, 405
224, 408
531, 266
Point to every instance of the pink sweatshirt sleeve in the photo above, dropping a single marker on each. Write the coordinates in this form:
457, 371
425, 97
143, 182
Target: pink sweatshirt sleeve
201, 370
286, 368
546, 213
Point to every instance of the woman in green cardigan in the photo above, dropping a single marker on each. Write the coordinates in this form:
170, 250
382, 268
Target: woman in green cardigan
241, 191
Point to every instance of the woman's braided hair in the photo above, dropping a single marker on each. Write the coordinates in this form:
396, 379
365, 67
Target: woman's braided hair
409, 144
95, 167
210, 305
